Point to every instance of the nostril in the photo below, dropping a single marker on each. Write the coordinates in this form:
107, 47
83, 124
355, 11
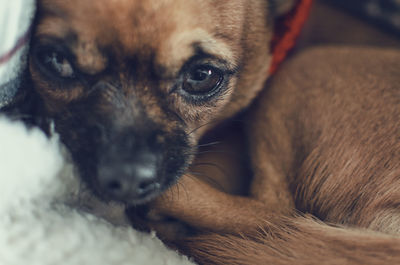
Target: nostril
148, 186
129, 180
143, 186
114, 186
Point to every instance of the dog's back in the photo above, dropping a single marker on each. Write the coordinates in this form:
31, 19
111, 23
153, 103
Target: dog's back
340, 108
329, 123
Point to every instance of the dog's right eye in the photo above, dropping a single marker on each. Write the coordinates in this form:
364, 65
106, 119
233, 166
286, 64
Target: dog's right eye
56, 63
202, 82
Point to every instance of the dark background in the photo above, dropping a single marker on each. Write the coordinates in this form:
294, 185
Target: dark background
353, 22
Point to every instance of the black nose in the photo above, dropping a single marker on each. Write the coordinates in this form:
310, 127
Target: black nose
129, 180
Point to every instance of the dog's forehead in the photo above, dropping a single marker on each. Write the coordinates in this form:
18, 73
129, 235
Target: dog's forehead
166, 28
129, 22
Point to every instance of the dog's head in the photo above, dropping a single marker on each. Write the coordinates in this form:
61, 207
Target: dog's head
132, 85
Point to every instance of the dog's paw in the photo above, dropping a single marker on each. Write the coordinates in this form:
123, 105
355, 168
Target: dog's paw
169, 229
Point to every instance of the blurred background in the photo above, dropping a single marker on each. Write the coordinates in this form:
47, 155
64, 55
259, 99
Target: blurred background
353, 22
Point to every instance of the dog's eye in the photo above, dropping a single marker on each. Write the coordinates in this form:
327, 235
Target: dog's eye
202, 80
56, 63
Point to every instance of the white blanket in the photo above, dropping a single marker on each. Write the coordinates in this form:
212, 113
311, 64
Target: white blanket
38, 225
15, 23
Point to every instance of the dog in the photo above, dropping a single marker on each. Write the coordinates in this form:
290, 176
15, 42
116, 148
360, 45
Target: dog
132, 87
132, 98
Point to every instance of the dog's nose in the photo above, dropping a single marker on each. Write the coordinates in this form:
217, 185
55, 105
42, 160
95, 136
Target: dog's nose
130, 181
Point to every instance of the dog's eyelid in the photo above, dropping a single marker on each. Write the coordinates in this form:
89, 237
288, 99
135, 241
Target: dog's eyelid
217, 50
202, 58
56, 45
49, 43
51, 40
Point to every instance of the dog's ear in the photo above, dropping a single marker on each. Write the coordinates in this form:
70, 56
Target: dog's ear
280, 7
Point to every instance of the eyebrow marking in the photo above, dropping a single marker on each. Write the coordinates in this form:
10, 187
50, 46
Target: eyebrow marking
90, 59
183, 46
217, 49
226, 37
50, 10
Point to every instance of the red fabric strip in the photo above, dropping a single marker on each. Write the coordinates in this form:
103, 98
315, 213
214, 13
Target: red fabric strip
287, 30
20, 43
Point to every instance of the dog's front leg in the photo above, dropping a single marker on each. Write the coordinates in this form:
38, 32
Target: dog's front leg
211, 206
205, 208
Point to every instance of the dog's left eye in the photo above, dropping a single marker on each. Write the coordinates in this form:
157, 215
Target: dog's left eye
202, 80
56, 63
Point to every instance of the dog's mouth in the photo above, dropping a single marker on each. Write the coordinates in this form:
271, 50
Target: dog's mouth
127, 166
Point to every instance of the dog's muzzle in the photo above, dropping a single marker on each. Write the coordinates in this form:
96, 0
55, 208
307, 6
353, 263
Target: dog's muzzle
129, 167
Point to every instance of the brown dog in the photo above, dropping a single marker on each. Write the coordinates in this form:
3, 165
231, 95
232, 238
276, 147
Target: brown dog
132, 97
326, 128
133, 85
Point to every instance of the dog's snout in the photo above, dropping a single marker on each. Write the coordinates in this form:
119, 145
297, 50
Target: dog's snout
128, 166
130, 181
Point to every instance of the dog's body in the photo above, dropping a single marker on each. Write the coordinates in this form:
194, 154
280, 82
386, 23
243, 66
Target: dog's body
327, 129
132, 96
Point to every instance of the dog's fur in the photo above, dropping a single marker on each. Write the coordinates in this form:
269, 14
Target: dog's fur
322, 137
328, 126
129, 72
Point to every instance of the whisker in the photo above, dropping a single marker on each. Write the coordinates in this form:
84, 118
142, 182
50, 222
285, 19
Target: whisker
219, 152
177, 191
203, 125
206, 178
236, 120
210, 144
221, 169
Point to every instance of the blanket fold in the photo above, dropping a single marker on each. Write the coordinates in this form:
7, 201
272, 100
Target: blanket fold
15, 22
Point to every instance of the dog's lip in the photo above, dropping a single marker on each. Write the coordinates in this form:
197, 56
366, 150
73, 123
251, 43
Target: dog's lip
154, 188
149, 196
132, 200
146, 198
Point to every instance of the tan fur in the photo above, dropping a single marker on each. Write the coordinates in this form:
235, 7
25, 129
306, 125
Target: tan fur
301, 241
322, 137
235, 31
327, 126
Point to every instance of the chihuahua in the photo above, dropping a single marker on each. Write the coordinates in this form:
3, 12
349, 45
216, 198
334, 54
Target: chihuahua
131, 98
132, 87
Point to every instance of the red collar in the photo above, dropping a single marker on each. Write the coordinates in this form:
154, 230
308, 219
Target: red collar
287, 30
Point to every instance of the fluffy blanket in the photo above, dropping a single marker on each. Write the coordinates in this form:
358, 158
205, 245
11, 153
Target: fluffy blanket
46, 217
15, 23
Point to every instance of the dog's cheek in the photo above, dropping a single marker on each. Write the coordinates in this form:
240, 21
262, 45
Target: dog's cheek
82, 142
55, 94
200, 118
177, 156
53, 108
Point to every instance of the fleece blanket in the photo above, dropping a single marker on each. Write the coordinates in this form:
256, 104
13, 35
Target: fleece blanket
47, 218
15, 24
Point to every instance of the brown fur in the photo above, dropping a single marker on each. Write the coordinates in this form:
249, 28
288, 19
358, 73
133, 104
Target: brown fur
322, 136
129, 56
233, 30
327, 126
